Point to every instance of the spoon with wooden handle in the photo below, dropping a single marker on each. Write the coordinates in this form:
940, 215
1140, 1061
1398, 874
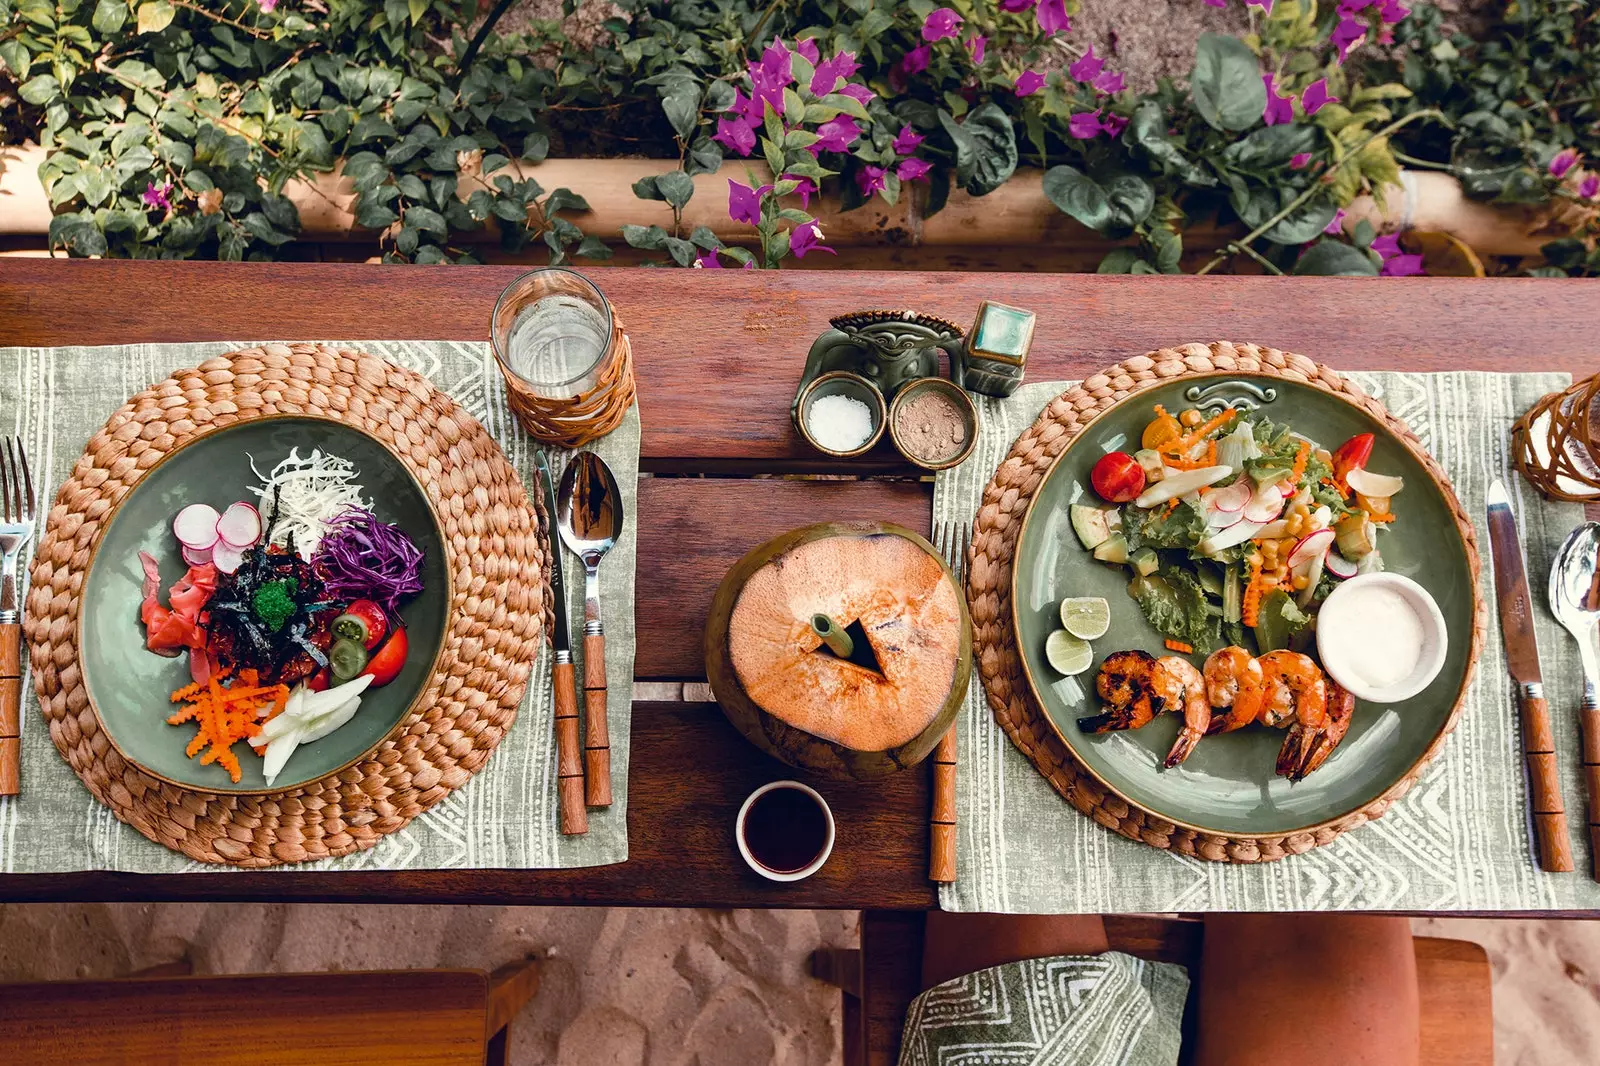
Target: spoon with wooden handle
591, 522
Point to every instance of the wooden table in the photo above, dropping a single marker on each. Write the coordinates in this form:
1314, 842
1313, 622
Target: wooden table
718, 356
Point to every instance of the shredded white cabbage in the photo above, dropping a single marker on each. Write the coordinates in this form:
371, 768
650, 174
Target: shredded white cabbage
311, 492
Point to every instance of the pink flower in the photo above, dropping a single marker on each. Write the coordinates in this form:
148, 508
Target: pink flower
1280, 108
1052, 16
1335, 228
830, 72
707, 260
1402, 266
1387, 245
977, 46
1316, 97
156, 196
1016, 5
735, 134
916, 60
857, 92
870, 179
836, 134
269, 6
1216, 3
775, 66
1087, 68
940, 23
1110, 82
1029, 82
744, 203
1300, 160
1590, 186
906, 141
808, 49
1564, 161
913, 169
805, 189
1085, 125
1113, 124
1264, 5
1347, 34
1392, 12
807, 237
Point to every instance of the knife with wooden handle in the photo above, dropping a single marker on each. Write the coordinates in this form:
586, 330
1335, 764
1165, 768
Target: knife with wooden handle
1552, 844
569, 764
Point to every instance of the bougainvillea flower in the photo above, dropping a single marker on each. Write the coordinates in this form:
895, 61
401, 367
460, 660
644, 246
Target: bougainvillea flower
744, 203
1392, 11
916, 60
805, 188
1280, 108
1087, 68
1216, 3
1110, 81
1387, 245
1299, 161
830, 72
1564, 161
1052, 16
707, 260
1402, 266
857, 92
1016, 5
913, 169
775, 67
978, 46
269, 6
940, 23
1316, 97
1590, 187
761, 97
807, 237
808, 49
1113, 124
156, 196
1085, 125
869, 179
1347, 34
1028, 82
1335, 228
836, 134
735, 134
906, 141
1264, 5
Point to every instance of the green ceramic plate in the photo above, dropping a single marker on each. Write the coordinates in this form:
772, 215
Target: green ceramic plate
1227, 785
129, 686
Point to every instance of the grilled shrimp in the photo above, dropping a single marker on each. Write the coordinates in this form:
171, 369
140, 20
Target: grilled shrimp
1181, 688
1236, 687
1305, 749
1124, 683
1295, 689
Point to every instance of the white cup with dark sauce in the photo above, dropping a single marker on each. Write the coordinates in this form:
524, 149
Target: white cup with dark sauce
784, 831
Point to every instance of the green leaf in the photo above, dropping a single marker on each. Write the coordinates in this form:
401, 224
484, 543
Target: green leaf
648, 237
427, 220
681, 103
799, 139
536, 147
676, 187
986, 148
719, 97
1331, 257
155, 16
1304, 223
40, 90
1226, 83
702, 237
848, 104
1079, 195
1148, 129
418, 8
109, 15
1131, 198
563, 200
593, 248
405, 242
77, 235
645, 188
1118, 261
705, 156
376, 216
794, 108
1272, 146
683, 252
1567, 253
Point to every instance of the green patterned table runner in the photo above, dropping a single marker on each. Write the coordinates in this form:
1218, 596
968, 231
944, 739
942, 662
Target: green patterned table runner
505, 817
1457, 841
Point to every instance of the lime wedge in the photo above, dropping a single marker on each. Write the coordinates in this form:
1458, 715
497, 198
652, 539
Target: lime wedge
1086, 616
1067, 654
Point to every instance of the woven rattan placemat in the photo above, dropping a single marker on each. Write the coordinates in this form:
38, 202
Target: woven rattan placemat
999, 521
496, 560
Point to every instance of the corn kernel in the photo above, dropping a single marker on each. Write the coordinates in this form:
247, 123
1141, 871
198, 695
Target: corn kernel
1190, 418
1301, 582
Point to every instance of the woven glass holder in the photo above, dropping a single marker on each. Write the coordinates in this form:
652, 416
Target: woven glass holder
1553, 444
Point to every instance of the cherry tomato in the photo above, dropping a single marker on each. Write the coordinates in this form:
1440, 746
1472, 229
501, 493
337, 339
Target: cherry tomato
386, 662
362, 621
1352, 455
1163, 430
321, 680
1118, 477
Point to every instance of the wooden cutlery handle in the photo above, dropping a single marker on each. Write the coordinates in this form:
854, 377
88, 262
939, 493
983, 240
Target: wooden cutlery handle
569, 766
596, 730
1544, 785
10, 709
1589, 721
942, 845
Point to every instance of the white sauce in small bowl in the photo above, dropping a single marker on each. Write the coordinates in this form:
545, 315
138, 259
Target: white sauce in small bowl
1382, 637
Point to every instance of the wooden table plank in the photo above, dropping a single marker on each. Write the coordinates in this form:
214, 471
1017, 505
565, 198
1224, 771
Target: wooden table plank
692, 530
719, 353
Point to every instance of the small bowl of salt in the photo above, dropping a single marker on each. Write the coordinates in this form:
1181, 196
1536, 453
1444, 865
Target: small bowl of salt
841, 414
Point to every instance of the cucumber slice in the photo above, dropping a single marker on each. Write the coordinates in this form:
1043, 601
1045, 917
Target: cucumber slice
1114, 549
1145, 561
1090, 525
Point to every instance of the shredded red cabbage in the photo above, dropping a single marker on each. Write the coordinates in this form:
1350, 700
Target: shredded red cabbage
360, 557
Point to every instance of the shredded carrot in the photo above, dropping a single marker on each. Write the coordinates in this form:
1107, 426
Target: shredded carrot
1250, 602
1202, 431
1385, 517
224, 716
1172, 505
1179, 646
1300, 458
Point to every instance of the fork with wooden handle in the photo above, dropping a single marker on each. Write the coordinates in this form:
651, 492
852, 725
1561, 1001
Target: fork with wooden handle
953, 542
17, 508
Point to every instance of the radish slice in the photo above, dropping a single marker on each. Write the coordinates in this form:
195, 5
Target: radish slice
1286, 488
1265, 505
1339, 566
1374, 485
196, 556
240, 525
196, 525
1230, 499
1234, 535
227, 557
1311, 546
1216, 519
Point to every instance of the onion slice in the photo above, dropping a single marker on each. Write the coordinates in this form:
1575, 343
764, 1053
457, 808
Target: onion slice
240, 525
1373, 485
1312, 546
196, 526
